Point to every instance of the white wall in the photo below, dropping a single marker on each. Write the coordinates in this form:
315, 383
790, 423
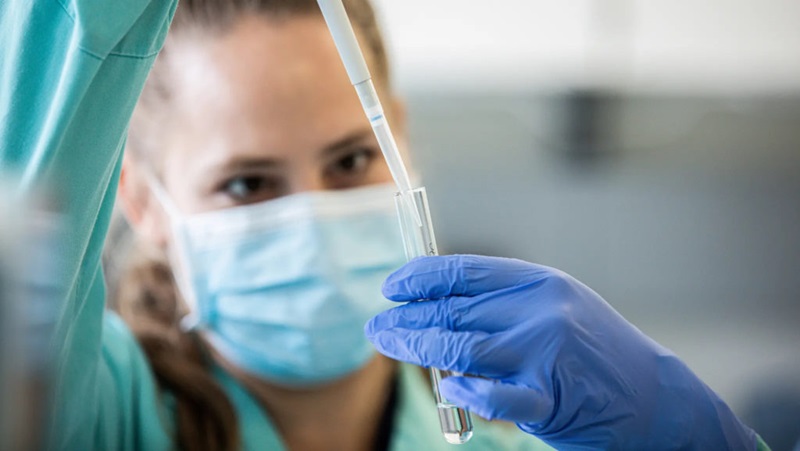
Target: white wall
727, 46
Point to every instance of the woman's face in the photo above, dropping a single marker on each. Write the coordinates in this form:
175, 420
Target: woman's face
263, 111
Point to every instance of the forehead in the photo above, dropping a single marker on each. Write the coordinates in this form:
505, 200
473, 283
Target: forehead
263, 83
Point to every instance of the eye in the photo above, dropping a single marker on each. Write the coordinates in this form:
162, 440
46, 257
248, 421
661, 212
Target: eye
251, 188
351, 169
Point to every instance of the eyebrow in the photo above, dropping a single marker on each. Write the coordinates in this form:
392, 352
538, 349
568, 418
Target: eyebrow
249, 163
348, 141
244, 163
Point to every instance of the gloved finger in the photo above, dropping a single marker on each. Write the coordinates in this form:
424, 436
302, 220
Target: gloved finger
496, 400
454, 313
463, 352
414, 315
459, 275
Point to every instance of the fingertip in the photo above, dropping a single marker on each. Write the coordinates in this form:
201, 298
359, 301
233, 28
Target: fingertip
460, 391
400, 286
453, 387
492, 399
391, 291
426, 277
383, 342
380, 327
393, 343
382, 322
434, 277
370, 328
459, 386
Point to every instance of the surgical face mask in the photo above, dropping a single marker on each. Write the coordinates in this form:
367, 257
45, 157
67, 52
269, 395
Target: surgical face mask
283, 288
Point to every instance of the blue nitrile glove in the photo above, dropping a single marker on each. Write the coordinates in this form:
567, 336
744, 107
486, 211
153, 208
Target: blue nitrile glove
563, 364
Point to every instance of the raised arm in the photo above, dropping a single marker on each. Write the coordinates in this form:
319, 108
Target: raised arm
70, 74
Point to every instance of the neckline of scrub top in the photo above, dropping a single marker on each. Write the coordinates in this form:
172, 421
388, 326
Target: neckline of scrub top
415, 421
255, 427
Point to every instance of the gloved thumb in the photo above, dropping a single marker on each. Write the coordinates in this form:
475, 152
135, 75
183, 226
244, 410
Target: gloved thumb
496, 400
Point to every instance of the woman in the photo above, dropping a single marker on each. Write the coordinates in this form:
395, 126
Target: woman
252, 166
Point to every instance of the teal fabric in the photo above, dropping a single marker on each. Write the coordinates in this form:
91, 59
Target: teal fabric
416, 424
70, 74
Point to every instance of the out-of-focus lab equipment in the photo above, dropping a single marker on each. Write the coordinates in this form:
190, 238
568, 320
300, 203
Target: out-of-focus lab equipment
456, 423
8, 315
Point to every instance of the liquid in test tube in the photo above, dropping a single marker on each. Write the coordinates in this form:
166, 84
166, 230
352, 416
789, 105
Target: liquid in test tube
419, 241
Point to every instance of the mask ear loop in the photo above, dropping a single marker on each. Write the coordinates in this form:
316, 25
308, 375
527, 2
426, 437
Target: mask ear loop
161, 195
191, 321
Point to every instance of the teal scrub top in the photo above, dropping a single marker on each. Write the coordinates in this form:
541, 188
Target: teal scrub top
71, 73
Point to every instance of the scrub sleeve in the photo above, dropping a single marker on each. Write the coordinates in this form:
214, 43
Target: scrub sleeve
70, 74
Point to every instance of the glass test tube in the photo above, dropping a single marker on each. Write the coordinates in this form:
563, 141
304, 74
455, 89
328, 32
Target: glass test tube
419, 241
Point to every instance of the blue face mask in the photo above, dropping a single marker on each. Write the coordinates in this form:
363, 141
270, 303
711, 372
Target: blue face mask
283, 288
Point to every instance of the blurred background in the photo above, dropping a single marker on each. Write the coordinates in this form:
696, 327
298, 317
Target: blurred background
651, 148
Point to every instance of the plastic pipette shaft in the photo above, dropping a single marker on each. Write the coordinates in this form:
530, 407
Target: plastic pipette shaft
356, 66
380, 126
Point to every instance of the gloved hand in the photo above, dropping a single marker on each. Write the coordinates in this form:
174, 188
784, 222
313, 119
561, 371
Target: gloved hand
555, 358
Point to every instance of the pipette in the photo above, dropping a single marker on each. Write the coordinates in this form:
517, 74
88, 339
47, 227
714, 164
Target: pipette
356, 66
412, 204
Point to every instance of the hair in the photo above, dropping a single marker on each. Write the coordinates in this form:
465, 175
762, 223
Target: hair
207, 18
146, 297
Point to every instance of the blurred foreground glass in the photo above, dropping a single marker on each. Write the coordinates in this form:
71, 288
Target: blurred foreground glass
31, 296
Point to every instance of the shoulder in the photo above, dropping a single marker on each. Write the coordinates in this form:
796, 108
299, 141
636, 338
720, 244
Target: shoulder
122, 356
131, 409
